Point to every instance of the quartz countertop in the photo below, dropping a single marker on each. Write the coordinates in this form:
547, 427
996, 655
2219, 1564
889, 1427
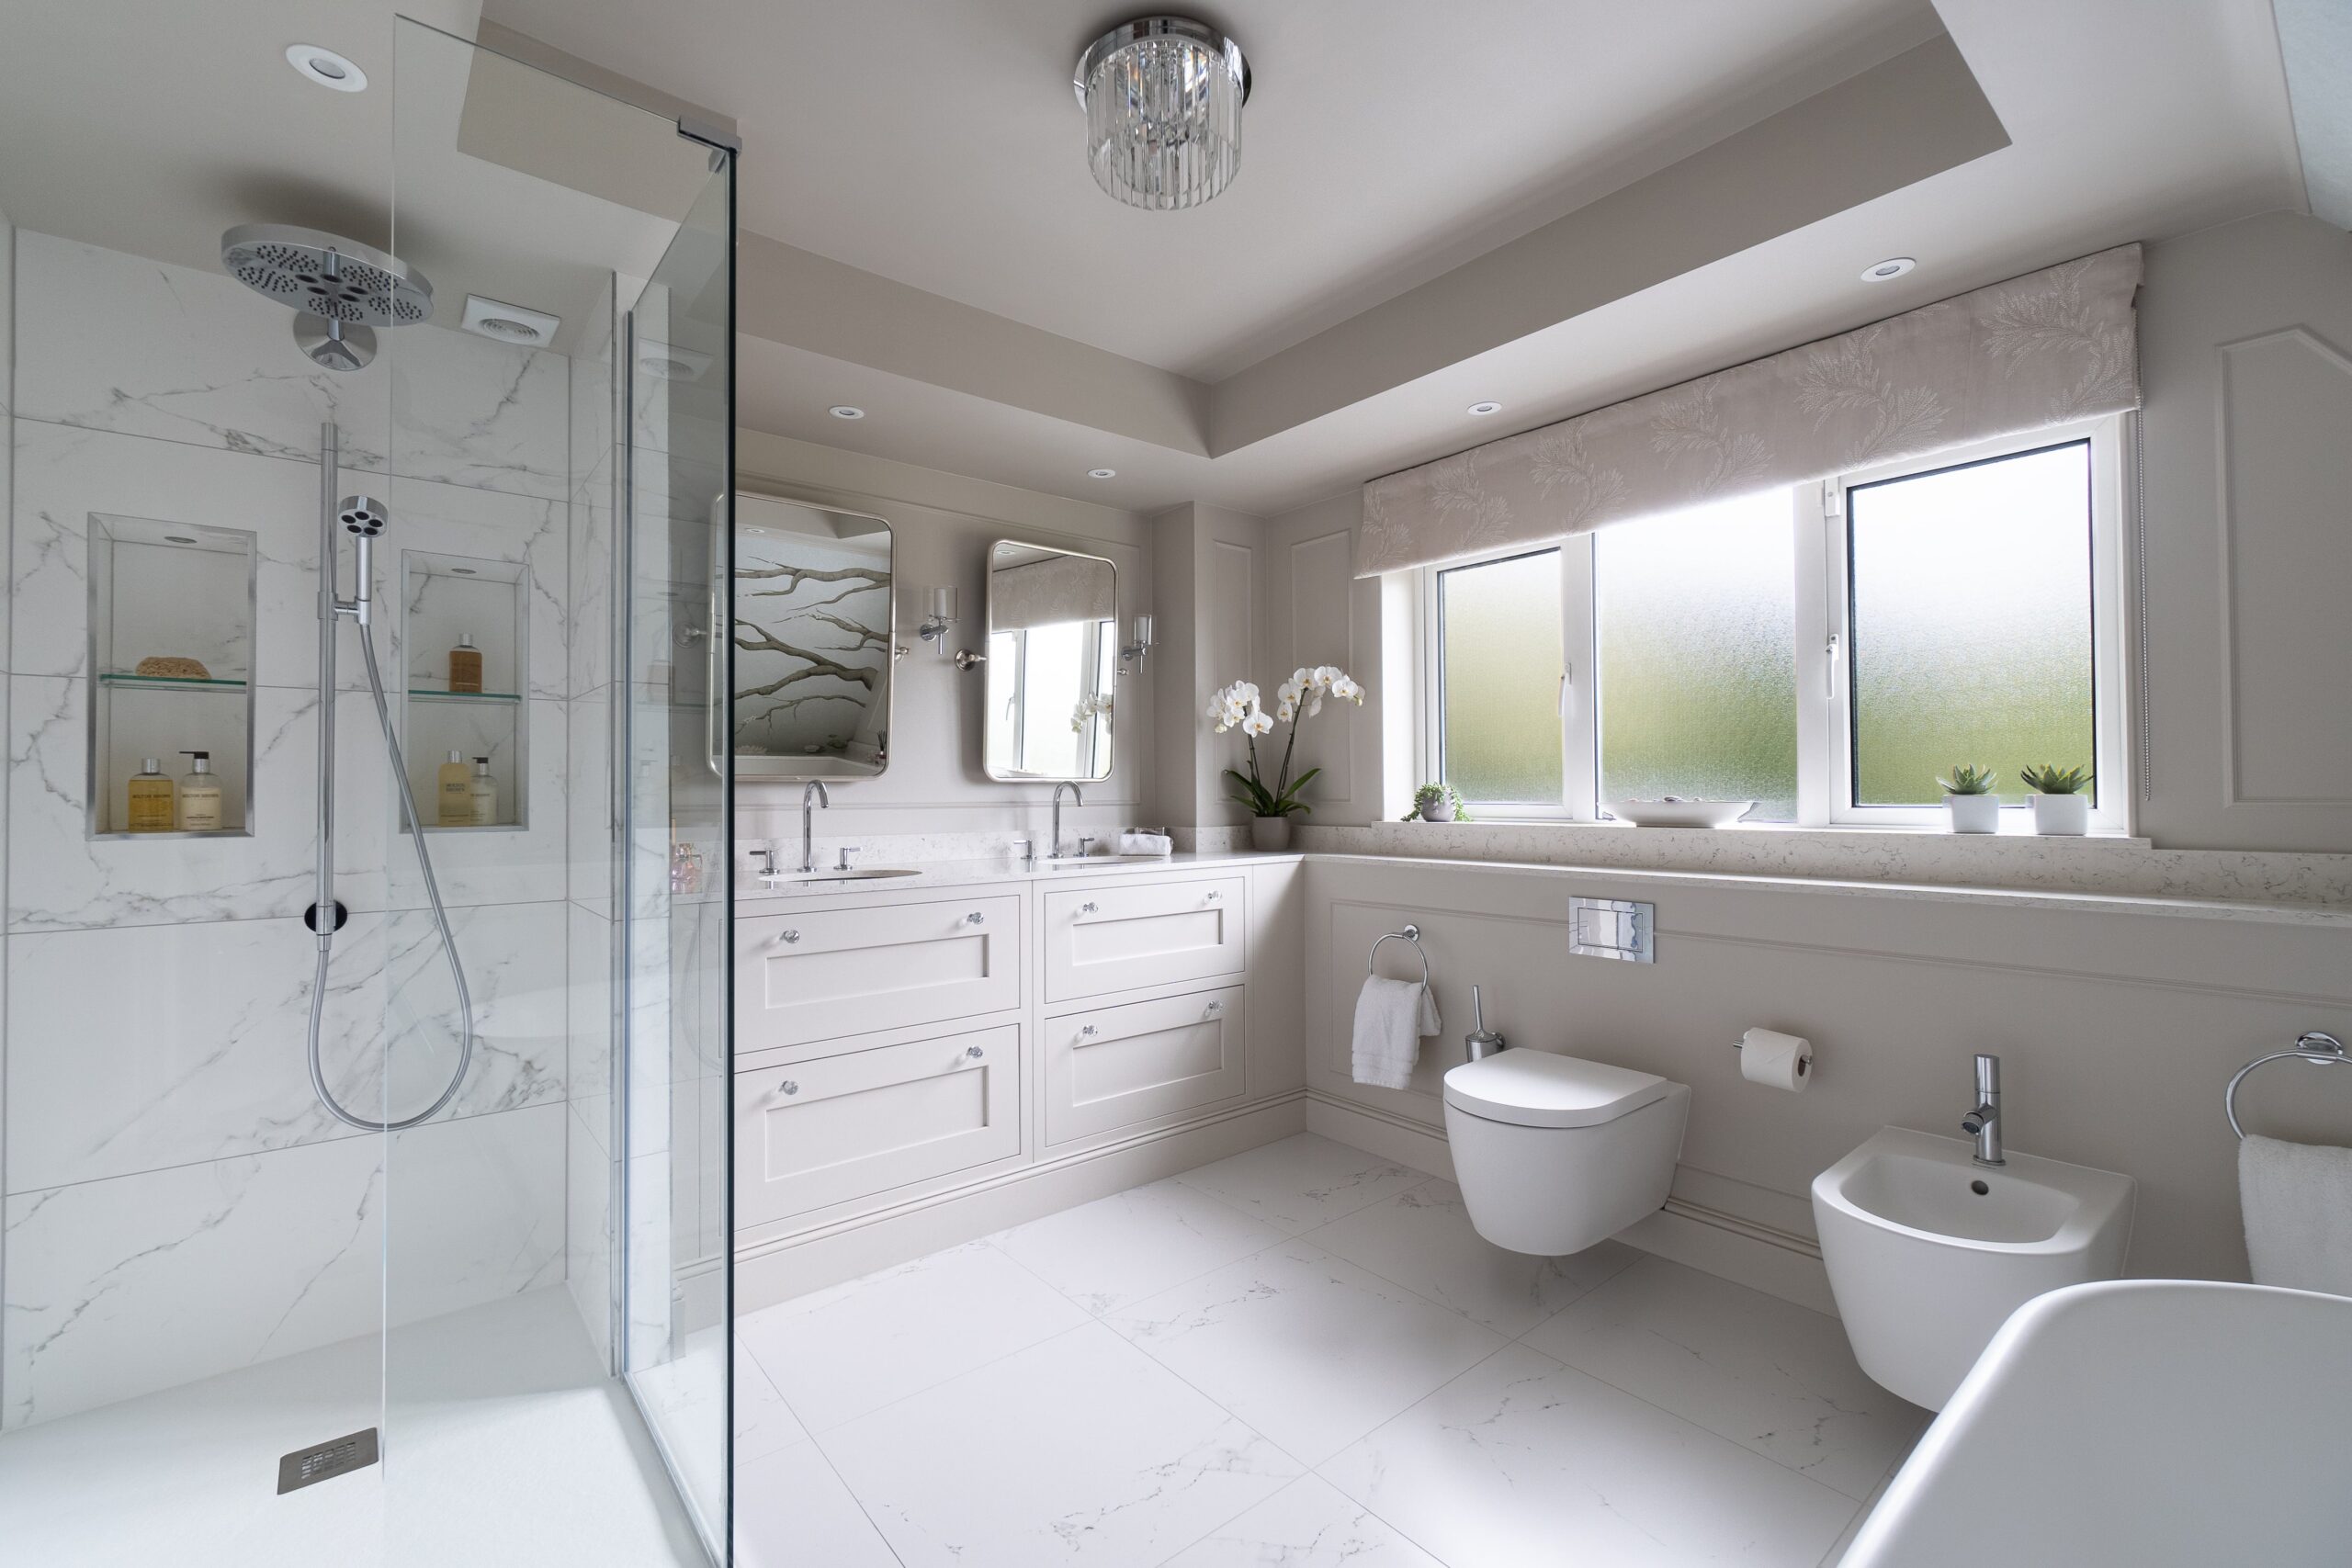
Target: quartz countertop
752, 889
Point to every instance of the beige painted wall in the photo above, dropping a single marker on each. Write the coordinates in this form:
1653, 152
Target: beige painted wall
2247, 335
1211, 579
944, 524
2116, 1031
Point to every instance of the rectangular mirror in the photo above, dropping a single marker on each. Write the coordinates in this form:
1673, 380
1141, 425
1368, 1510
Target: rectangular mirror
1053, 660
814, 627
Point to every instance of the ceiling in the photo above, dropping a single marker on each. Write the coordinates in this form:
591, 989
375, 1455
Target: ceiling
1547, 203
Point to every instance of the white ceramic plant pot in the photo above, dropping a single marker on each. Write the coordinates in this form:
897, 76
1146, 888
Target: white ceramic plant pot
2066, 813
1270, 834
1974, 813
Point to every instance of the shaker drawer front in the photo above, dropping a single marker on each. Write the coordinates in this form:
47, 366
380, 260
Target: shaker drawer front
821, 975
812, 1133
1121, 1064
1122, 939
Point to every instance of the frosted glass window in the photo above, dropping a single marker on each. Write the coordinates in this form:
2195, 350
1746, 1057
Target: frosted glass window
1696, 617
1971, 623
1500, 667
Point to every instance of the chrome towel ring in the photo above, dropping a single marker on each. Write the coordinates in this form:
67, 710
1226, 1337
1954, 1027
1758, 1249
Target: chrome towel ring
2319, 1050
1411, 934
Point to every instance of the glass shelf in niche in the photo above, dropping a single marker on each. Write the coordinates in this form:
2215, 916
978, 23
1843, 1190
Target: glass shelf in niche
168, 682
427, 695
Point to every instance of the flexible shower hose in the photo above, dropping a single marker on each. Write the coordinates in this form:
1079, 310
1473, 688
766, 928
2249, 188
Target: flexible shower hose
440, 920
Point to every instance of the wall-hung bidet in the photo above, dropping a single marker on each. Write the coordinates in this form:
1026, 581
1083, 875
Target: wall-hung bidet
1931, 1249
1555, 1154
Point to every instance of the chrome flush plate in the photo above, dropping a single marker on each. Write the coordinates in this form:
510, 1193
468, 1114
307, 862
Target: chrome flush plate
1613, 928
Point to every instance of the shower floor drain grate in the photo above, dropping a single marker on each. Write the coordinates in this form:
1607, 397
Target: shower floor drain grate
307, 1467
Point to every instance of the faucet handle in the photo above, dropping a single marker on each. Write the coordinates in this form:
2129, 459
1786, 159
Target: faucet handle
765, 855
1085, 845
847, 850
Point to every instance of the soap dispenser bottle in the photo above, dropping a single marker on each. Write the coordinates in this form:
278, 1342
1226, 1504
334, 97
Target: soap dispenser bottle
454, 792
481, 795
465, 665
149, 804
199, 795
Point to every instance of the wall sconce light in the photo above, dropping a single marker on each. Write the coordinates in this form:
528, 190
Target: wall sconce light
1134, 651
936, 626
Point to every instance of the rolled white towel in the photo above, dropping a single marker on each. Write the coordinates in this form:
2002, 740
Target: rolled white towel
2297, 1198
1391, 1018
1137, 843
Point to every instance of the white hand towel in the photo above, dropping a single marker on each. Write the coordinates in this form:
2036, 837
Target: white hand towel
1138, 843
1391, 1018
2298, 1203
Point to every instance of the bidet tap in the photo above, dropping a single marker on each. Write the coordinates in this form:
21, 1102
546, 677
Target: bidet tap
1984, 1123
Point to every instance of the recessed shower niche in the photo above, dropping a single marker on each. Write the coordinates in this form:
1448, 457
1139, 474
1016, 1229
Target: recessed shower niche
171, 659
464, 644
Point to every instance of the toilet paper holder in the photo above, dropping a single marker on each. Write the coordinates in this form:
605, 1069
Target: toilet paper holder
1804, 1064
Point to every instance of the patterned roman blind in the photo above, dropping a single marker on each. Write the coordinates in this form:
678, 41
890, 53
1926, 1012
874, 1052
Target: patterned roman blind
2043, 349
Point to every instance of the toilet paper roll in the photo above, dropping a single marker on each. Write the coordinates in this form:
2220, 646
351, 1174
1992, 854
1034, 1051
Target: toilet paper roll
1784, 1060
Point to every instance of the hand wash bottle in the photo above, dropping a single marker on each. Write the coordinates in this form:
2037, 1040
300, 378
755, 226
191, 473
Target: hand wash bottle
199, 795
454, 792
147, 805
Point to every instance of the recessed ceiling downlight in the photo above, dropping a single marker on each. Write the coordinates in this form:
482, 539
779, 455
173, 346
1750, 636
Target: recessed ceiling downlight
1483, 410
844, 411
327, 68
1101, 473
1893, 266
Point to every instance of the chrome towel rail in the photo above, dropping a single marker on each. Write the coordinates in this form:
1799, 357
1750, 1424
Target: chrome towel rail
1411, 934
2319, 1050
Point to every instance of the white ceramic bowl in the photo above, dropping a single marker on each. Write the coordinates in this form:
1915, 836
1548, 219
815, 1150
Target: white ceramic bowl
1679, 813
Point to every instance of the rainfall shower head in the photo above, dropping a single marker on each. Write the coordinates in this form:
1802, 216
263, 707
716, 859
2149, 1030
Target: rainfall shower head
362, 514
341, 289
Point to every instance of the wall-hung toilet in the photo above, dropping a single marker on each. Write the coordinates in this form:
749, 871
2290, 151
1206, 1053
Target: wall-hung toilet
1554, 1153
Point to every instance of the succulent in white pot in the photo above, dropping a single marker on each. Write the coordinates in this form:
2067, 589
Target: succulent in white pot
1438, 802
1968, 795
1237, 706
2060, 806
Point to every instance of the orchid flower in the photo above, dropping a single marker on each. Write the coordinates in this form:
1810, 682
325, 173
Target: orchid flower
1239, 707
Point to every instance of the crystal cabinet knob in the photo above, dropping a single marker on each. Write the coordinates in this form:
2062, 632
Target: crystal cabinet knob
1086, 1032
790, 937
976, 919
974, 1052
1213, 898
1217, 1007
789, 1086
1086, 908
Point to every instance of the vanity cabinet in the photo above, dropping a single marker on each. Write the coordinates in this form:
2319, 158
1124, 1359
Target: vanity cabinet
1116, 1066
824, 1132
807, 977
1129, 936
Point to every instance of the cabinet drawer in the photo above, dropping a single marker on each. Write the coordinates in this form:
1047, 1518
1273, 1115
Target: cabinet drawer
823, 974
1125, 938
812, 1133
1120, 1065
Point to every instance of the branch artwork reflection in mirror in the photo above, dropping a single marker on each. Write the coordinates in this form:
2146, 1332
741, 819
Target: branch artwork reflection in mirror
1052, 664
814, 629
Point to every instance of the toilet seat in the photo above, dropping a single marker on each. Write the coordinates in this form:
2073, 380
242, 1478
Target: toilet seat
1542, 1088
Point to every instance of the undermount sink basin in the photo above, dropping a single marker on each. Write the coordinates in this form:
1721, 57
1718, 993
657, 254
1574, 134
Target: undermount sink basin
854, 874
1928, 1253
2159, 1423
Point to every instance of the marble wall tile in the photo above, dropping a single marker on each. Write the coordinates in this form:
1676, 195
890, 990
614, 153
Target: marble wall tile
447, 519
587, 1225
589, 829
148, 348
589, 945
592, 567
60, 878
141, 1047
120, 1287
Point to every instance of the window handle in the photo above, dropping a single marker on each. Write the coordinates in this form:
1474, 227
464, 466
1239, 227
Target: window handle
1830, 665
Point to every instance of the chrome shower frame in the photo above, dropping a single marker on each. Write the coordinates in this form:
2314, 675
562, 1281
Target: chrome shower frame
327, 914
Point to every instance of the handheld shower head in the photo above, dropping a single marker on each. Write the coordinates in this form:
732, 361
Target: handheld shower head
362, 514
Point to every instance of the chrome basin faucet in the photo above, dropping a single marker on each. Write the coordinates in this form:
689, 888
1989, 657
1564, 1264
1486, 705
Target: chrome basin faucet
1075, 799
1984, 1123
808, 821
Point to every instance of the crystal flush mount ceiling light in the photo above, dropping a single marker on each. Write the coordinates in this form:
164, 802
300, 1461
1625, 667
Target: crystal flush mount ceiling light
1163, 97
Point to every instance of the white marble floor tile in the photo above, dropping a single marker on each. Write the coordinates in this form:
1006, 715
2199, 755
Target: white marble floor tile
792, 1511
1525, 1461
1308, 1524
1117, 1250
1836, 1552
1078, 1449
839, 1353
1302, 1182
765, 1424
1772, 1376
1423, 1240
1309, 1350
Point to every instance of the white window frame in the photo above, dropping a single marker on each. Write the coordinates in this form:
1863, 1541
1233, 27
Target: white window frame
1825, 729
1825, 703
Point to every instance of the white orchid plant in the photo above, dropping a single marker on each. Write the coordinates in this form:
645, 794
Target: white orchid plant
1091, 704
1239, 707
